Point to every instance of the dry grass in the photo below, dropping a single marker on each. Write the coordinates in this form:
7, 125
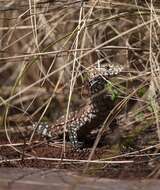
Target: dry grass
45, 45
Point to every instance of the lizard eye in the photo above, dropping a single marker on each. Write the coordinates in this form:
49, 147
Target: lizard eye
107, 67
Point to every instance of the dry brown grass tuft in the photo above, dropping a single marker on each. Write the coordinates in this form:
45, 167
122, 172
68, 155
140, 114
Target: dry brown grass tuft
44, 46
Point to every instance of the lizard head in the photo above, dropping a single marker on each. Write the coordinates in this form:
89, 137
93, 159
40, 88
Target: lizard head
100, 73
104, 70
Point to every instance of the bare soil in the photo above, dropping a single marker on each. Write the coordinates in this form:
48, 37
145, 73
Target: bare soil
142, 165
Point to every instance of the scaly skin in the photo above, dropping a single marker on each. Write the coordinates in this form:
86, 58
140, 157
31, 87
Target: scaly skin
91, 116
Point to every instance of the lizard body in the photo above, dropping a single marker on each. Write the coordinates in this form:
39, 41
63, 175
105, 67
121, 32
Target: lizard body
92, 115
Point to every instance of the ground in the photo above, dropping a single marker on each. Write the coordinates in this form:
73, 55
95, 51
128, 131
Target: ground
127, 159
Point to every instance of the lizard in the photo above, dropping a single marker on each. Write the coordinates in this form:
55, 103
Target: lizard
92, 115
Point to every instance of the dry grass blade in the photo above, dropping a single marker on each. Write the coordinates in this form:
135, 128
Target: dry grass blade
47, 50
